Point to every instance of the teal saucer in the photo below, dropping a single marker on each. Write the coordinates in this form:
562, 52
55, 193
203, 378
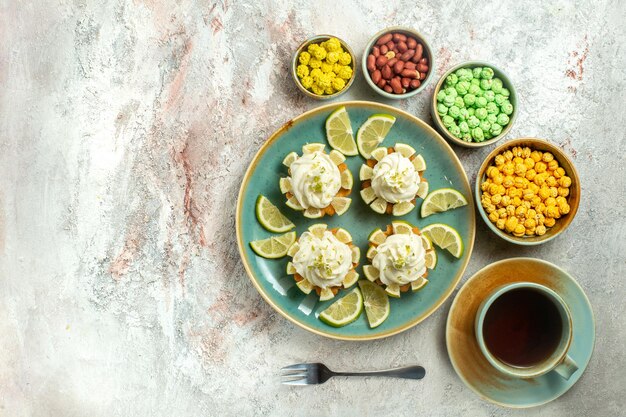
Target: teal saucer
269, 276
468, 360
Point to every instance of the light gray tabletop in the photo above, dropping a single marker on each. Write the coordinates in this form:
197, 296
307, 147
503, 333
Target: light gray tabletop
125, 129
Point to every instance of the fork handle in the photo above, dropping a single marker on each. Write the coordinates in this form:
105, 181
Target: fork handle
408, 372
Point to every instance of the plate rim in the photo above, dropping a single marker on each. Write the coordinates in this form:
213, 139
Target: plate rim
474, 277
244, 184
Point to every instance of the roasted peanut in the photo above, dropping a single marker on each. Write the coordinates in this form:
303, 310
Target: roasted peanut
415, 84
409, 73
399, 37
376, 76
386, 72
422, 68
388, 89
406, 82
376, 51
371, 62
396, 85
398, 67
407, 55
402, 47
384, 39
383, 49
381, 61
411, 43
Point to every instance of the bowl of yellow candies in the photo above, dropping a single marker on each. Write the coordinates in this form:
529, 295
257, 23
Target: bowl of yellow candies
527, 191
323, 67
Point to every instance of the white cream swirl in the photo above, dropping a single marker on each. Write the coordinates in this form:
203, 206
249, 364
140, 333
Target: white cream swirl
322, 261
395, 178
315, 180
401, 259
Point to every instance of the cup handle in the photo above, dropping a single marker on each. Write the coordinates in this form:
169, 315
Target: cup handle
566, 368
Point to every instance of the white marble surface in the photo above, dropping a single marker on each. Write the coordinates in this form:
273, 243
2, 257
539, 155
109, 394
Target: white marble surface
125, 129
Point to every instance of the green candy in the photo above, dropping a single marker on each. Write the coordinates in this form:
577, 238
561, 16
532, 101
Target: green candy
464, 127
469, 99
489, 95
506, 107
450, 91
486, 73
471, 111
463, 113
454, 112
455, 130
481, 113
441, 95
496, 85
484, 126
481, 102
485, 84
447, 120
464, 74
492, 108
467, 137
462, 87
442, 109
505, 92
449, 100
502, 119
452, 79
473, 89
487, 134
477, 134
496, 129
458, 101
476, 72
475, 81
499, 99
473, 122
491, 117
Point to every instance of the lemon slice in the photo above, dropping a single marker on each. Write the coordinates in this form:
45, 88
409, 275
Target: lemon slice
379, 205
270, 217
371, 252
337, 157
275, 246
373, 132
371, 272
366, 173
418, 284
339, 132
419, 163
343, 235
346, 180
440, 200
318, 229
400, 227
313, 147
379, 153
289, 159
305, 286
285, 185
340, 204
431, 259
350, 279
404, 149
313, 213
422, 189
446, 237
368, 195
400, 209
345, 310
393, 290
377, 237
376, 303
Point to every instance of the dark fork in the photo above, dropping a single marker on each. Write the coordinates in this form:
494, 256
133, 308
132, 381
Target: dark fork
318, 373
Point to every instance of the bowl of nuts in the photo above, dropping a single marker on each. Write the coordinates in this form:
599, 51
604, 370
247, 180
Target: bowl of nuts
474, 104
398, 63
528, 191
323, 67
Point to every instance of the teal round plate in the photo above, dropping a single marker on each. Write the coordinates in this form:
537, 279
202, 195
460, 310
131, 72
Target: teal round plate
465, 354
269, 275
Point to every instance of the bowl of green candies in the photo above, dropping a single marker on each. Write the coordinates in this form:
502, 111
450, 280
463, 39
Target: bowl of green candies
474, 104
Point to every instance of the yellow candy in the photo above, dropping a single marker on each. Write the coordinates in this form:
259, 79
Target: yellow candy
302, 71
326, 68
345, 73
484, 186
499, 160
493, 216
511, 224
332, 57
304, 58
541, 167
332, 45
519, 231
549, 222
330, 90
345, 58
315, 63
500, 224
307, 82
565, 181
540, 230
508, 155
319, 53
317, 89
563, 191
536, 156
552, 165
338, 83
